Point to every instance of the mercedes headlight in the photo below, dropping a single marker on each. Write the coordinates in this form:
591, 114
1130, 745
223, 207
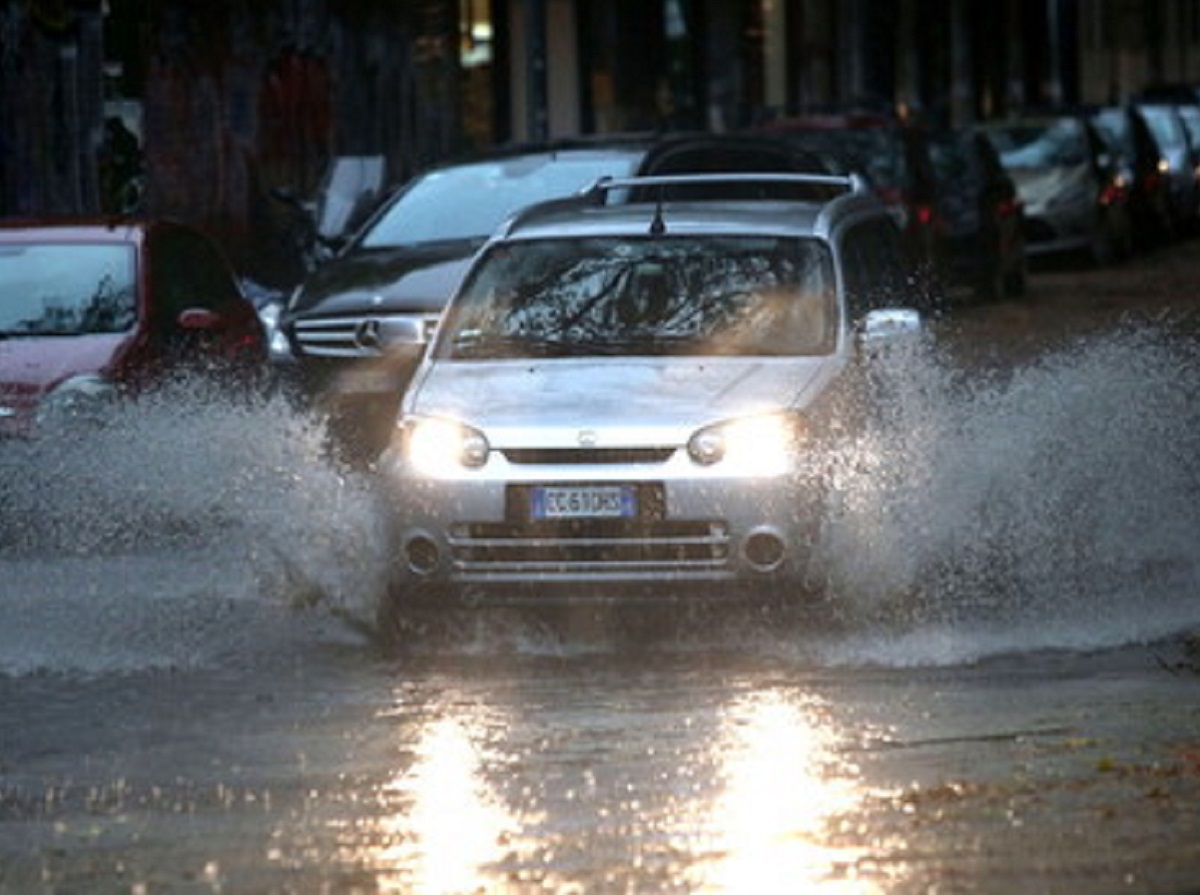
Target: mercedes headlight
757, 445
438, 447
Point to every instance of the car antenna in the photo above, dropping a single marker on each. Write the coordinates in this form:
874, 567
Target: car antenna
658, 226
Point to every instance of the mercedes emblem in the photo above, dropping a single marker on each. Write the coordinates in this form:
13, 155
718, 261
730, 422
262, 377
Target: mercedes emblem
367, 335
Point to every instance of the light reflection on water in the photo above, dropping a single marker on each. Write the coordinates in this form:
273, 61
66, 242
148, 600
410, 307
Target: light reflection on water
451, 825
751, 803
783, 786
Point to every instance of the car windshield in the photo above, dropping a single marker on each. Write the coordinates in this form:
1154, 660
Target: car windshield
1114, 127
729, 295
954, 160
466, 202
962, 178
66, 289
1165, 126
1053, 144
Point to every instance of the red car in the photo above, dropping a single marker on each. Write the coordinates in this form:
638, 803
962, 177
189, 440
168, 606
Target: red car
91, 310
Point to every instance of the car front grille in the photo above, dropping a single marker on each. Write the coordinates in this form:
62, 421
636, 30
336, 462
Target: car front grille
590, 546
361, 335
587, 456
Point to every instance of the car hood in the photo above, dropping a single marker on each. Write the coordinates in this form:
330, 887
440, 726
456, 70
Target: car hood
33, 366
1037, 186
420, 278
669, 397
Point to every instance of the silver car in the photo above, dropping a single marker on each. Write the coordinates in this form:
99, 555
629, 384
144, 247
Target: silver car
1075, 196
626, 395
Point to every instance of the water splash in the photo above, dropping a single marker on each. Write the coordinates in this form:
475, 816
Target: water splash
1051, 506
186, 526
1056, 505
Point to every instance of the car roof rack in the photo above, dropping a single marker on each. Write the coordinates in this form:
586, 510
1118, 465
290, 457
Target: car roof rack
596, 195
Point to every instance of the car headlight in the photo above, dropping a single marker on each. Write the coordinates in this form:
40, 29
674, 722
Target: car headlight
440, 446
278, 347
756, 445
80, 399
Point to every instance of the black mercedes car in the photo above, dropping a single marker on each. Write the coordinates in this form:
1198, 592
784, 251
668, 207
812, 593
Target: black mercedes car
357, 325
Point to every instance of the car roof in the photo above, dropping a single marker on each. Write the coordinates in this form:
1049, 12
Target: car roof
626, 143
77, 229
588, 214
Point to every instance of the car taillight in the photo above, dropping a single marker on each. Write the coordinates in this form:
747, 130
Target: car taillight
1007, 208
1111, 193
924, 215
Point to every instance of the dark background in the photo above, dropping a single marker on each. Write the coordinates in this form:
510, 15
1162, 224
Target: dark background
222, 101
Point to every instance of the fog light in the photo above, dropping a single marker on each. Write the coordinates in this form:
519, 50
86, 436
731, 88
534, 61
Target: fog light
764, 550
423, 555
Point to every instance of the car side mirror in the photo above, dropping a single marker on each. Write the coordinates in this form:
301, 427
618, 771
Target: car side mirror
889, 324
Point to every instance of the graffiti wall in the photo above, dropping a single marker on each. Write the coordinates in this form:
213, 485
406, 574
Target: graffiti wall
50, 106
202, 111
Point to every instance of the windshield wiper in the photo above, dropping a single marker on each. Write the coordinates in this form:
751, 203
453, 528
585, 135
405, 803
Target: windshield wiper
481, 346
617, 346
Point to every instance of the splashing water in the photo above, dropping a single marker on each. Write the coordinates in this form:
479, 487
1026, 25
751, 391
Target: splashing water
1055, 505
184, 528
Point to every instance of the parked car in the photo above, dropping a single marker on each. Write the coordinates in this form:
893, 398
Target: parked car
1182, 173
626, 394
1143, 164
357, 325
1074, 195
91, 311
982, 239
893, 154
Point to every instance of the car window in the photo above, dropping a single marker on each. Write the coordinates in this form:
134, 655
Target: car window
875, 268
737, 295
1191, 122
1062, 142
1165, 126
67, 289
1114, 127
186, 272
962, 177
466, 202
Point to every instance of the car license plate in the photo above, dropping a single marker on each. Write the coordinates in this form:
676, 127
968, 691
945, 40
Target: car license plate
583, 502
367, 381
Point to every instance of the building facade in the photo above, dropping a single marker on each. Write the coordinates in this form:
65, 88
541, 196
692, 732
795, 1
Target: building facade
201, 110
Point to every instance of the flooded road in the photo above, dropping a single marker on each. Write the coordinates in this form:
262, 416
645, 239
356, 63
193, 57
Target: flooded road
1007, 698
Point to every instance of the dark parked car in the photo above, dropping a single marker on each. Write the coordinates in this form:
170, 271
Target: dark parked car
357, 325
1144, 165
1074, 195
1171, 133
893, 154
982, 240
91, 311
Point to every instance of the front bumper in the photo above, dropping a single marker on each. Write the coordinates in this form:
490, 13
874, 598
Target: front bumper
479, 538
